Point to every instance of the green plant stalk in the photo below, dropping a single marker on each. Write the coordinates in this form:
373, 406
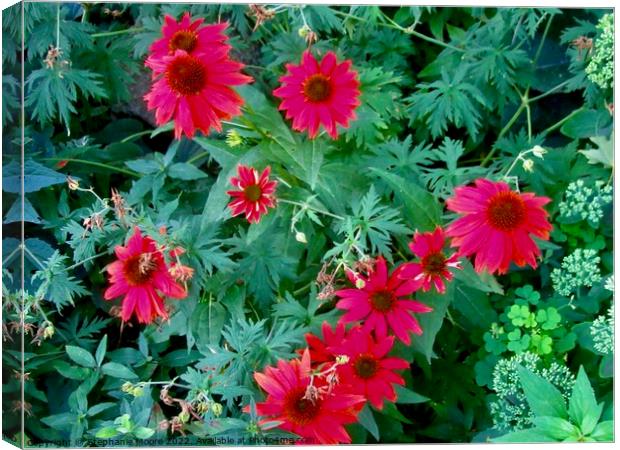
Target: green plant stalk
116, 33
96, 164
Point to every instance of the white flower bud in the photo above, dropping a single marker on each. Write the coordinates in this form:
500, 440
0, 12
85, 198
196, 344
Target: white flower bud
301, 237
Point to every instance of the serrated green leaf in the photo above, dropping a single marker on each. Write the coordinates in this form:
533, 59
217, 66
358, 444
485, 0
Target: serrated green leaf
542, 396
80, 356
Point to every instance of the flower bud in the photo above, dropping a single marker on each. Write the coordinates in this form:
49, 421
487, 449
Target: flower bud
183, 416
217, 409
342, 359
48, 332
73, 183
301, 237
303, 31
127, 387
538, 151
528, 165
233, 138
360, 284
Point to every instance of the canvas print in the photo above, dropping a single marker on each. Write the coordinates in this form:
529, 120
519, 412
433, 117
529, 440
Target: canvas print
281, 224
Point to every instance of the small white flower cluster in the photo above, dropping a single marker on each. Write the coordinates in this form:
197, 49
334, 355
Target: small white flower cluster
602, 331
580, 268
585, 201
600, 70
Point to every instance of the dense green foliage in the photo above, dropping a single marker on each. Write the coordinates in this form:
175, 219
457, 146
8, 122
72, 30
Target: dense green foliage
448, 95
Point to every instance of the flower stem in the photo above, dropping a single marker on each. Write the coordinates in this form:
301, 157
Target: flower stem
116, 33
96, 164
307, 206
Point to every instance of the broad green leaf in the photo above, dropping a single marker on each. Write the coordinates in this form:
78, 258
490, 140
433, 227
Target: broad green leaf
431, 322
60, 421
206, 323
117, 370
80, 356
36, 177
96, 409
143, 432
555, 427
420, 209
367, 419
185, 171
408, 396
586, 123
106, 433
542, 396
604, 432
582, 406
530, 435
604, 154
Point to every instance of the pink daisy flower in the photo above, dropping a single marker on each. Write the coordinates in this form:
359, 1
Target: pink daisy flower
188, 36
195, 89
381, 303
141, 275
433, 265
255, 194
324, 93
320, 419
497, 225
320, 348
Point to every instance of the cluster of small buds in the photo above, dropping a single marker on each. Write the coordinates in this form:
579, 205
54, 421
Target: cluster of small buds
309, 36
261, 14
600, 70
112, 12
602, 331
582, 43
586, 202
92, 222
181, 273
120, 208
45, 331
580, 268
329, 375
137, 390
53, 58
609, 283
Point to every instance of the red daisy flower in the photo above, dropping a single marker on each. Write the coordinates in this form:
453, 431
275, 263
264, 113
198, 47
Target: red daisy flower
188, 36
380, 303
195, 89
497, 224
370, 372
141, 275
255, 194
433, 265
324, 93
319, 419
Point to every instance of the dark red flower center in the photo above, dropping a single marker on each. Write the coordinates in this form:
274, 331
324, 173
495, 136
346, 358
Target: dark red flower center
186, 75
138, 269
317, 88
183, 40
506, 211
366, 366
252, 192
382, 301
299, 410
434, 263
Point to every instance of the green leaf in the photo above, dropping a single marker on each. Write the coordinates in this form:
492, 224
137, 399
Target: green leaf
106, 433
542, 396
117, 370
604, 154
80, 356
367, 419
36, 177
96, 409
101, 350
431, 322
206, 323
555, 427
420, 208
529, 435
586, 123
582, 406
408, 396
185, 171
61, 421
143, 432
604, 432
